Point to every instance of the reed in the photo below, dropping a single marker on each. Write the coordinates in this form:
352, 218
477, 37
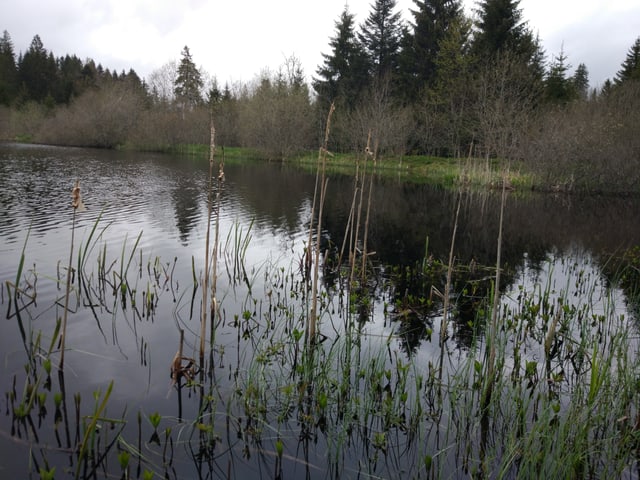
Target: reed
78, 206
493, 326
322, 182
205, 279
365, 236
216, 247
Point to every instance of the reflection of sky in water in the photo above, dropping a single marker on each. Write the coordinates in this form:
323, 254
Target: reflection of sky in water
166, 204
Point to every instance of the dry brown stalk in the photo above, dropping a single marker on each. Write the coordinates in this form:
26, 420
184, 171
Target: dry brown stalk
178, 370
321, 172
205, 280
365, 252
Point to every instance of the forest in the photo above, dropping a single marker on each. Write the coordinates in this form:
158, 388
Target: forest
443, 84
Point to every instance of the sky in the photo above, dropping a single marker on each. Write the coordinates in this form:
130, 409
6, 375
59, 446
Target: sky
234, 40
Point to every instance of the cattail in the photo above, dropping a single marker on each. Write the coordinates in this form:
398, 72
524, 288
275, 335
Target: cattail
76, 198
78, 206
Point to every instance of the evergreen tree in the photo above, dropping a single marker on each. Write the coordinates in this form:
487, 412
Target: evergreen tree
421, 44
343, 75
580, 81
631, 66
558, 87
188, 84
69, 82
449, 99
502, 37
8, 70
380, 36
37, 71
500, 29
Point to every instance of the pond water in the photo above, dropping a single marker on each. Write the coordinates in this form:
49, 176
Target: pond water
139, 256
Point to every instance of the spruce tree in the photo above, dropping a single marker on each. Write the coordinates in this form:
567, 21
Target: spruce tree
631, 66
432, 19
188, 84
558, 87
501, 29
380, 36
580, 81
37, 71
343, 75
69, 84
8, 70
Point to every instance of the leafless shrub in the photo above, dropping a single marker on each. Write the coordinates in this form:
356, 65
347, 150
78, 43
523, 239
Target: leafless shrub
26, 121
504, 106
377, 114
591, 144
98, 118
275, 115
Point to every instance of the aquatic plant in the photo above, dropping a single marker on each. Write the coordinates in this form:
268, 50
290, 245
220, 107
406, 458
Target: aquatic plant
78, 206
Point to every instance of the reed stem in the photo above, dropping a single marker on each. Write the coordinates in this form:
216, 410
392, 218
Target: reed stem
322, 163
205, 280
76, 203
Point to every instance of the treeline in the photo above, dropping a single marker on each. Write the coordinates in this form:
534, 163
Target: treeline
442, 84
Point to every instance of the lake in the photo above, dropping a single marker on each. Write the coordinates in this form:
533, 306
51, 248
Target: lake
391, 389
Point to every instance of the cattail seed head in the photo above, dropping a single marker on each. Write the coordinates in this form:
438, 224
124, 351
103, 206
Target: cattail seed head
76, 199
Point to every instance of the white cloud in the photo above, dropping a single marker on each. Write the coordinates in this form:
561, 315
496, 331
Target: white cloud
236, 40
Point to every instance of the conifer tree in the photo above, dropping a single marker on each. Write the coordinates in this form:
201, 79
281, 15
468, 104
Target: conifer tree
380, 36
631, 66
343, 75
8, 70
501, 29
432, 19
37, 71
580, 81
558, 87
188, 84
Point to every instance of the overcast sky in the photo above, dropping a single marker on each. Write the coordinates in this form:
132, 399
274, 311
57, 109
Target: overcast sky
235, 40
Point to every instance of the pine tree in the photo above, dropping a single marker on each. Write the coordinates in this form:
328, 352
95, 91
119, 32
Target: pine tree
8, 70
343, 75
631, 66
380, 36
188, 84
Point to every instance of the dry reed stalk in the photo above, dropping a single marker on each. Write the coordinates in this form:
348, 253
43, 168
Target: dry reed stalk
216, 243
78, 206
205, 280
321, 172
447, 288
365, 252
356, 230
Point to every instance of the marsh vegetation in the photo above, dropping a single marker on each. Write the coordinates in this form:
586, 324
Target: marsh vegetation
342, 337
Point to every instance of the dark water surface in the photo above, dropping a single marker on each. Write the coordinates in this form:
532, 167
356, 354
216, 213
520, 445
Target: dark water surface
157, 203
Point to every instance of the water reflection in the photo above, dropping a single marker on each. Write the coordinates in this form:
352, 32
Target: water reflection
130, 309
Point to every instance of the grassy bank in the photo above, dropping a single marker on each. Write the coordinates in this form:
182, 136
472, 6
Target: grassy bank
447, 172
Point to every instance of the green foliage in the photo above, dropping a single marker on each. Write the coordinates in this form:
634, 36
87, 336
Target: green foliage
8, 70
630, 69
380, 36
433, 21
343, 75
188, 83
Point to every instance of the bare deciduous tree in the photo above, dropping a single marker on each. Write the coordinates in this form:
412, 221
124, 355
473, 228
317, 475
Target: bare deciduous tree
162, 80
